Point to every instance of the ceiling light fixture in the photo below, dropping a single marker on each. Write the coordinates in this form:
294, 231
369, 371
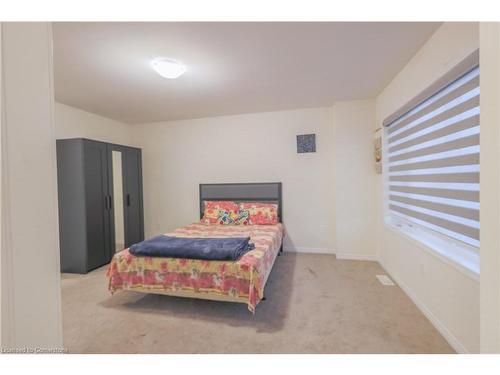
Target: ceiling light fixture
168, 68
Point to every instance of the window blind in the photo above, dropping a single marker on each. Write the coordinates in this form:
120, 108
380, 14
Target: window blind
433, 161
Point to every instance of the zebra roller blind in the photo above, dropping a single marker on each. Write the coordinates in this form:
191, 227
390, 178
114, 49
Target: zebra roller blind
433, 161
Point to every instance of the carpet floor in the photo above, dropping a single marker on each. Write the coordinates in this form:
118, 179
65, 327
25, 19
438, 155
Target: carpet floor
314, 304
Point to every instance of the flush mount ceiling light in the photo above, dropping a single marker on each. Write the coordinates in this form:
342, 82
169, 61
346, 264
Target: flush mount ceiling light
168, 68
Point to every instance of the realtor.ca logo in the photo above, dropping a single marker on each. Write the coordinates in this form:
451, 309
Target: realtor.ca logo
33, 350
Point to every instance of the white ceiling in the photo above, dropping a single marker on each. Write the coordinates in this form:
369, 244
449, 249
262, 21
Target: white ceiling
232, 67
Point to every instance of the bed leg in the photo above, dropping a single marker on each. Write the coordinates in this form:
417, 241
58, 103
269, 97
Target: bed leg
263, 298
281, 250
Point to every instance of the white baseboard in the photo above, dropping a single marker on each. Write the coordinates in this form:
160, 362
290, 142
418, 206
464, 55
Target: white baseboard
308, 250
356, 256
449, 337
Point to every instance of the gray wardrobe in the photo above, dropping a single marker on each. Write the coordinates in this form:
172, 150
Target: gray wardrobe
100, 202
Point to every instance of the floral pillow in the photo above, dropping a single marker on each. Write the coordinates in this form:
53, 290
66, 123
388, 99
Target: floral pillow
220, 212
259, 213
243, 217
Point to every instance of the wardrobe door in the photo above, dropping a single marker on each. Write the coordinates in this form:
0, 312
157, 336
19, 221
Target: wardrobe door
133, 213
116, 182
72, 211
97, 204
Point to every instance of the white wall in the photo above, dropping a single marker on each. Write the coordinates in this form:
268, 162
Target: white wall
490, 187
75, 123
260, 147
449, 297
355, 208
31, 309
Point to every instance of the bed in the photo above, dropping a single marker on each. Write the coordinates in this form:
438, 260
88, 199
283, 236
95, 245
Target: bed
241, 281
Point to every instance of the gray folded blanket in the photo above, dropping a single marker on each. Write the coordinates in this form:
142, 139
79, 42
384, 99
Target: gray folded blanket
193, 248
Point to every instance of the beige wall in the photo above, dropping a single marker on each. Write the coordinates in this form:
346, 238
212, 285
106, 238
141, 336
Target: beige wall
490, 187
75, 123
257, 147
328, 195
31, 309
449, 297
179, 155
355, 208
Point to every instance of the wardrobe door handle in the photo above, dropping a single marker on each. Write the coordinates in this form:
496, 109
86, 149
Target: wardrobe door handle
128, 199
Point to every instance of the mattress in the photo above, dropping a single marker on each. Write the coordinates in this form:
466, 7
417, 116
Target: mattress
242, 280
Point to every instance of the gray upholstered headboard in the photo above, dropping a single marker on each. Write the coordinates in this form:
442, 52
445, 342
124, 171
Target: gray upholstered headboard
269, 192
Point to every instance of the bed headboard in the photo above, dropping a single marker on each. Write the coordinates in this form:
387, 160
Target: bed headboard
269, 192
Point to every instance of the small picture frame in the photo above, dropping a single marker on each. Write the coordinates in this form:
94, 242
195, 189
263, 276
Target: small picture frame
306, 143
377, 150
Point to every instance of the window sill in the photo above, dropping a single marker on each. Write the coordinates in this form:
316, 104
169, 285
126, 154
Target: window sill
459, 257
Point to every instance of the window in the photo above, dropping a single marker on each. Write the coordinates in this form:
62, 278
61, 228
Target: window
432, 156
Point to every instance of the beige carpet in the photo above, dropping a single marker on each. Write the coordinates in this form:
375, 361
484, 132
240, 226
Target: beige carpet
315, 304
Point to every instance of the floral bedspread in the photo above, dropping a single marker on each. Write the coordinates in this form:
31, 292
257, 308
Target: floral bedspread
243, 278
